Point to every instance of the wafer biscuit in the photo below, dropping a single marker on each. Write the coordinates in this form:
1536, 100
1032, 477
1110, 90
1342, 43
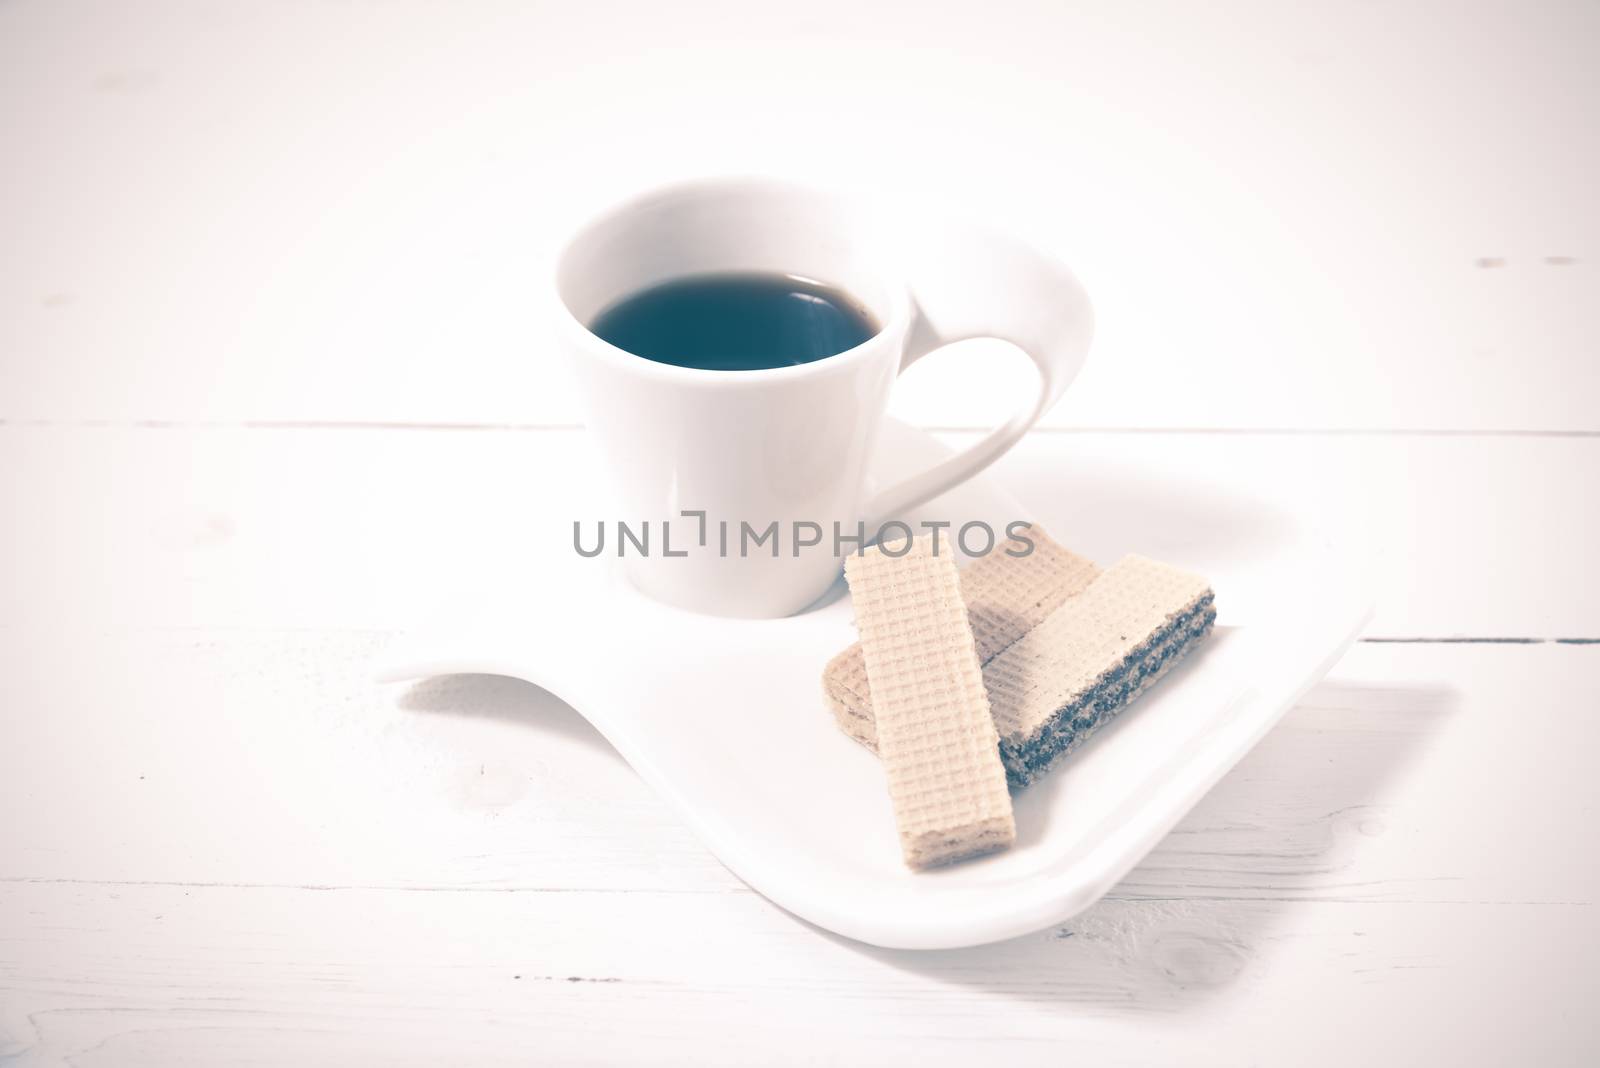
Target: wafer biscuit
1007, 593
1082, 665
935, 732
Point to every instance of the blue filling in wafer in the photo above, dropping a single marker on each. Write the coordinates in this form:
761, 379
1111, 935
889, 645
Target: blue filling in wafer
1075, 722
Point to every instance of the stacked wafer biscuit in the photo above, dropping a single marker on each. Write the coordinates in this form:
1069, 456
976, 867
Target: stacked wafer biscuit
934, 729
1059, 648
1007, 593
1055, 685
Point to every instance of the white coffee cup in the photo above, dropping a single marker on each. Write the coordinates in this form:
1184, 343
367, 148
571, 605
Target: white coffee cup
789, 445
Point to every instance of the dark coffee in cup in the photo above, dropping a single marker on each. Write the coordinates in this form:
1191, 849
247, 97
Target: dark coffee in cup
745, 321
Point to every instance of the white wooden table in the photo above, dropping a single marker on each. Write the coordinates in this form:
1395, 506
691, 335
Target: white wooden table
268, 382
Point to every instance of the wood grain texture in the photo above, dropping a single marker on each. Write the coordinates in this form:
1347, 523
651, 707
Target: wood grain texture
1359, 217
272, 377
465, 862
363, 528
383, 976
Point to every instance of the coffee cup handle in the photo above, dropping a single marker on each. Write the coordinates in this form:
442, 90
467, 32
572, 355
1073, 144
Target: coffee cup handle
978, 283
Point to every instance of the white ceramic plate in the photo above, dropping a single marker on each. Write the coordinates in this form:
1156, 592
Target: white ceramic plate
725, 718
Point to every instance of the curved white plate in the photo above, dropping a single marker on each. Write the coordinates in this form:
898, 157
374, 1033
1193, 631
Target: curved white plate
725, 718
